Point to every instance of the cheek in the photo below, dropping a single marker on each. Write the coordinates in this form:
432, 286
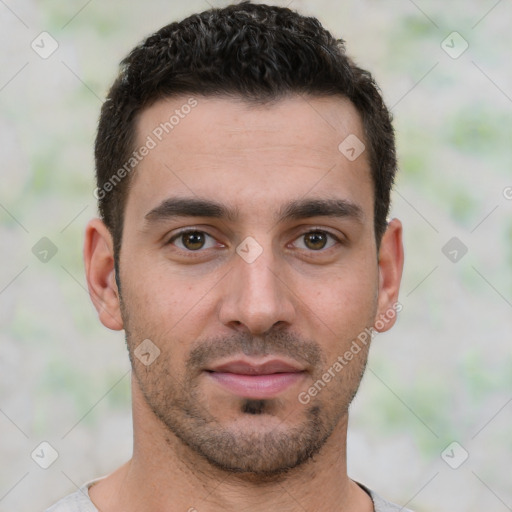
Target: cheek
152, 292
165, 308
344, 307
349, 294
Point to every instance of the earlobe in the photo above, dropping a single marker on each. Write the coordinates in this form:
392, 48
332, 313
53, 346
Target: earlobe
391, 262
100, 274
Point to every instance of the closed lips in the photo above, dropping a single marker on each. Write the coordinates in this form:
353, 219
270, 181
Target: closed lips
267, 368
257, 381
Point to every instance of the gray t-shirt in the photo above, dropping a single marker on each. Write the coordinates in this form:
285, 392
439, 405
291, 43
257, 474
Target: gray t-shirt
80, 501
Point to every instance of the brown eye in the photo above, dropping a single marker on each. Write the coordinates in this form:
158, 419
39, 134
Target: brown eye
315, 240
192, 240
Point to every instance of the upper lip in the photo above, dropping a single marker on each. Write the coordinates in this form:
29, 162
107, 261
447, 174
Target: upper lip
252, 368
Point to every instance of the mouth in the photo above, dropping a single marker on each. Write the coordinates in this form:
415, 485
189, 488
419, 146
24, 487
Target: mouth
256, 380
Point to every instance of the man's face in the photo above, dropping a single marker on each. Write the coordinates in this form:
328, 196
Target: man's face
244, 325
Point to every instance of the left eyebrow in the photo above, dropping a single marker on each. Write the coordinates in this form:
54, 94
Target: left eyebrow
305, 208
294, 210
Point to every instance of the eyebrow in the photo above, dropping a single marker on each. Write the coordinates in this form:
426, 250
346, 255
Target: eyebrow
174, 207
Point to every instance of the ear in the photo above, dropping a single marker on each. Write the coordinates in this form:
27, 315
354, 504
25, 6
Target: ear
100, 274
391, 262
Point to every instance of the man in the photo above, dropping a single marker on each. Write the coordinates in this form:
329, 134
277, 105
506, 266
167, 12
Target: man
244, 167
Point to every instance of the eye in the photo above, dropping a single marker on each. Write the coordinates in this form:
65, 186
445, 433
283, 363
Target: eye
192, 240
317, 240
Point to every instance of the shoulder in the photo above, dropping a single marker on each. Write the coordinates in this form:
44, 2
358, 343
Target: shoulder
382, 505
79, 501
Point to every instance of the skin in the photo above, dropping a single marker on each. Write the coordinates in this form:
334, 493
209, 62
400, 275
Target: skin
195, 443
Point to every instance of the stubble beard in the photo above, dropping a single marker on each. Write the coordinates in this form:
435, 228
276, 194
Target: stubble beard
258, 453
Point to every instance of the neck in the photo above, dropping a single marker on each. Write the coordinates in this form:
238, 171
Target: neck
165, 474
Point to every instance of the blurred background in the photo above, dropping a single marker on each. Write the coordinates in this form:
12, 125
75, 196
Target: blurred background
431, 426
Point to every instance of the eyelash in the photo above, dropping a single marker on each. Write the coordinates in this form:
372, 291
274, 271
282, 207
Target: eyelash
191, 230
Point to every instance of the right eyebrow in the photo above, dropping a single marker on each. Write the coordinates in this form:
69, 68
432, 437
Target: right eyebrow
173, 207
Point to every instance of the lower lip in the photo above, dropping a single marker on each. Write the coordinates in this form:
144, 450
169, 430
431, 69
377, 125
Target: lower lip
256, 386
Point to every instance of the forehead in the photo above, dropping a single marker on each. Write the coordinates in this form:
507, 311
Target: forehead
248, 155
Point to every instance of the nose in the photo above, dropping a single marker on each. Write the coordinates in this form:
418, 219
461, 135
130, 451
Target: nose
255, 295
